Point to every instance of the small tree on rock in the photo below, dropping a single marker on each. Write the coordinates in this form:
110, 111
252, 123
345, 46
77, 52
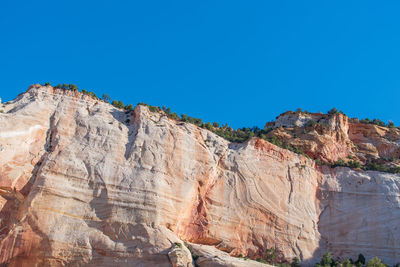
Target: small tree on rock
106, 98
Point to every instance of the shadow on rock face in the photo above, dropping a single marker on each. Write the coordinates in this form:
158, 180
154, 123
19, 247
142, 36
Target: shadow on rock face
21, 242
128, 120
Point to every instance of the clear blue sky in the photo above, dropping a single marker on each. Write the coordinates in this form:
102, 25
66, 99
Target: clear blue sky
240, 62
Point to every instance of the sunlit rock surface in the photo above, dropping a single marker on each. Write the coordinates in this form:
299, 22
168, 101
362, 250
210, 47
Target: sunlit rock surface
85, 184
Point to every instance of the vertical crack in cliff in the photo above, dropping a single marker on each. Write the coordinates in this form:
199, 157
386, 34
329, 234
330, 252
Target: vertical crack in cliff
291, 186
48, 149
298, 247
133, 130
11, 228
49, 146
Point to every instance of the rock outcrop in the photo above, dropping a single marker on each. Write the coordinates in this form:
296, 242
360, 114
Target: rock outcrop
335, 136
326, 138
180, 256
90, 185
374, 141
212, 257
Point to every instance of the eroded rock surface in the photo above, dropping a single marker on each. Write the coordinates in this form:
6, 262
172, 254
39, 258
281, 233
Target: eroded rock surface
180, 256
212, 257
97, 186
330, 137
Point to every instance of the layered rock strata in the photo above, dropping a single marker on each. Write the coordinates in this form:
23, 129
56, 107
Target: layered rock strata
335, 136
85, 184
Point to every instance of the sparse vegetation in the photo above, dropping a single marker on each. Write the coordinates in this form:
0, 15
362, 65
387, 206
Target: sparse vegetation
378, 122
269, 258
390, 124
374, 166
106, 98
73, 87
270, 255
261, 260
333, 111
66, 86
310, 123
354, 164
295, 262
239, 135
375, 262
128, 107
118, 104
87, 93
326, 261
151, 108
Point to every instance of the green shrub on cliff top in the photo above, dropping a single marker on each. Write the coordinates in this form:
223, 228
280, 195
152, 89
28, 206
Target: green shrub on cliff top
106, 98
333, 111
118, 104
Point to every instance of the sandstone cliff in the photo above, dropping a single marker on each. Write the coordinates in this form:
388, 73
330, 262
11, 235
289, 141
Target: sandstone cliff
85, 184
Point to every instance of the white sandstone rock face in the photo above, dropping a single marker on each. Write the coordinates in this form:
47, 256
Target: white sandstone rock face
300, 119
361, 214
212, 257
104, 187
296, 119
